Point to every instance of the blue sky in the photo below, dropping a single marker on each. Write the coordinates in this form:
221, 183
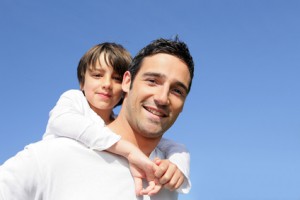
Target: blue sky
241, 119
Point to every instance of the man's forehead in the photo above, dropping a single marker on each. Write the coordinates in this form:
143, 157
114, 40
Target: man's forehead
165, 66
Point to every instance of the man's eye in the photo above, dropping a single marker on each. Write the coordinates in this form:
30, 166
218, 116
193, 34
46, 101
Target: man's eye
178, 92
152, 81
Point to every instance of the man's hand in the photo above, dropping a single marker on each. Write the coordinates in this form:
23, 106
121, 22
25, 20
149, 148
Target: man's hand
168, 174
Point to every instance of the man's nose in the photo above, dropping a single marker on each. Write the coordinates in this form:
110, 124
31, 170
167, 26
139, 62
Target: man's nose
162, 96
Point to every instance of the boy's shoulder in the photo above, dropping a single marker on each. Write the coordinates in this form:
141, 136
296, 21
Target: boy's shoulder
73, 92
74, 95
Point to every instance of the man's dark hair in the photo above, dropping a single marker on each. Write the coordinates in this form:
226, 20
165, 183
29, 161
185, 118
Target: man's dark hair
173, 47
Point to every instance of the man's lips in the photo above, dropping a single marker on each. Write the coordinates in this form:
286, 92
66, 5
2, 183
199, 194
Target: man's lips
156, 111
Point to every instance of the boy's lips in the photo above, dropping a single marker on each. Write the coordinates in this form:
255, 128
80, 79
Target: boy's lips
108, 95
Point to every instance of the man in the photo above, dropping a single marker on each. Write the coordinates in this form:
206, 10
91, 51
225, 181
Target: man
156, 86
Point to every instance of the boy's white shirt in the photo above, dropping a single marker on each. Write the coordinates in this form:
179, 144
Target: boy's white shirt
72, 117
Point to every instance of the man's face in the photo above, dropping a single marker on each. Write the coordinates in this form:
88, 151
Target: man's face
157, 95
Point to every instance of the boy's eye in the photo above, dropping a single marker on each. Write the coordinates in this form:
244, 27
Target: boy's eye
97, 75
118, 78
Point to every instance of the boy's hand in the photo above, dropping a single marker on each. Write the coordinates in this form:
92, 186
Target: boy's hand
168, 174
138, 176
141, 167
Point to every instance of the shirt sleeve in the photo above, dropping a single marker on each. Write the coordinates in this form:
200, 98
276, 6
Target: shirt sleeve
180, 156
20, 177
73, 118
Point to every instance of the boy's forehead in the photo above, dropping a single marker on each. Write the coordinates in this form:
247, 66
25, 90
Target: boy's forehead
99, 64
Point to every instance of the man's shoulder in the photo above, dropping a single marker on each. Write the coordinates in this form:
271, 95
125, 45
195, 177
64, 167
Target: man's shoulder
60, 148
56, 144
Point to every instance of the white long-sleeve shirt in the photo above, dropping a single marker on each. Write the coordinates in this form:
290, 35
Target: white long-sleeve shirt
62, 168
72, 117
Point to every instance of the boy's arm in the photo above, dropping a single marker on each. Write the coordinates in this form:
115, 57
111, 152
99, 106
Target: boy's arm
73, 118
178, 155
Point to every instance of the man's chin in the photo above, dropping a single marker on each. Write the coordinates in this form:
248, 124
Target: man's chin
152, 133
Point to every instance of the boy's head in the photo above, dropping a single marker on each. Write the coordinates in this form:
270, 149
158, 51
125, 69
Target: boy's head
115, 56
174, 47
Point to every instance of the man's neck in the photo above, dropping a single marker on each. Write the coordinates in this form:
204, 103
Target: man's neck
121, 127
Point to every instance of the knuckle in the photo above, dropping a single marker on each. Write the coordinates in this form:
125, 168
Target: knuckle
164, 179
172, 184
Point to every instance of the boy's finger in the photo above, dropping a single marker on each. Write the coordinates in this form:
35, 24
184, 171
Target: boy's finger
151, 185
162, 169
180, 182
157, 161
169, 173
138, 183
175, 182
155, 190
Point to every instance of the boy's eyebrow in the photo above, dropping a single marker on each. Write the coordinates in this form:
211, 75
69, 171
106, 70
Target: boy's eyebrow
94, 69
159, 75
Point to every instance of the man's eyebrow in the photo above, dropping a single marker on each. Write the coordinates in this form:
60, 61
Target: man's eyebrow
154, 74
159, 75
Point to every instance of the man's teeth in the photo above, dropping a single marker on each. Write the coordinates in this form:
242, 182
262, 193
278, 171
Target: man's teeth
155, 112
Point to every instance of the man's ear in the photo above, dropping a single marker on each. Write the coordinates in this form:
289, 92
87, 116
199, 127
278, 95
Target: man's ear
126, 81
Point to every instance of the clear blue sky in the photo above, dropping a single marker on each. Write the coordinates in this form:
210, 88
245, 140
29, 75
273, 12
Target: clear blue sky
241, 121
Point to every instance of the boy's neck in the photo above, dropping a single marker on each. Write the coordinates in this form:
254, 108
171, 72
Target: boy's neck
106, 116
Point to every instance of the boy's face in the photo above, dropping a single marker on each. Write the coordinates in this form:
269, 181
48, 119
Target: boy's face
102, 87
157, 95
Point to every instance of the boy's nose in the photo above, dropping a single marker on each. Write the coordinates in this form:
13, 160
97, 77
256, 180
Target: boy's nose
107, 83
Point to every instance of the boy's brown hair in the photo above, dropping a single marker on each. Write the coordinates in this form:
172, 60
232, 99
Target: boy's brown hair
115, 56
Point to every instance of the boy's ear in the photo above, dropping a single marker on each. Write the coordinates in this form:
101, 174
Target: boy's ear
126, 81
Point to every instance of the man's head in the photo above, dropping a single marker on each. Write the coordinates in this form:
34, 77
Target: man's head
172, 47
156, 86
